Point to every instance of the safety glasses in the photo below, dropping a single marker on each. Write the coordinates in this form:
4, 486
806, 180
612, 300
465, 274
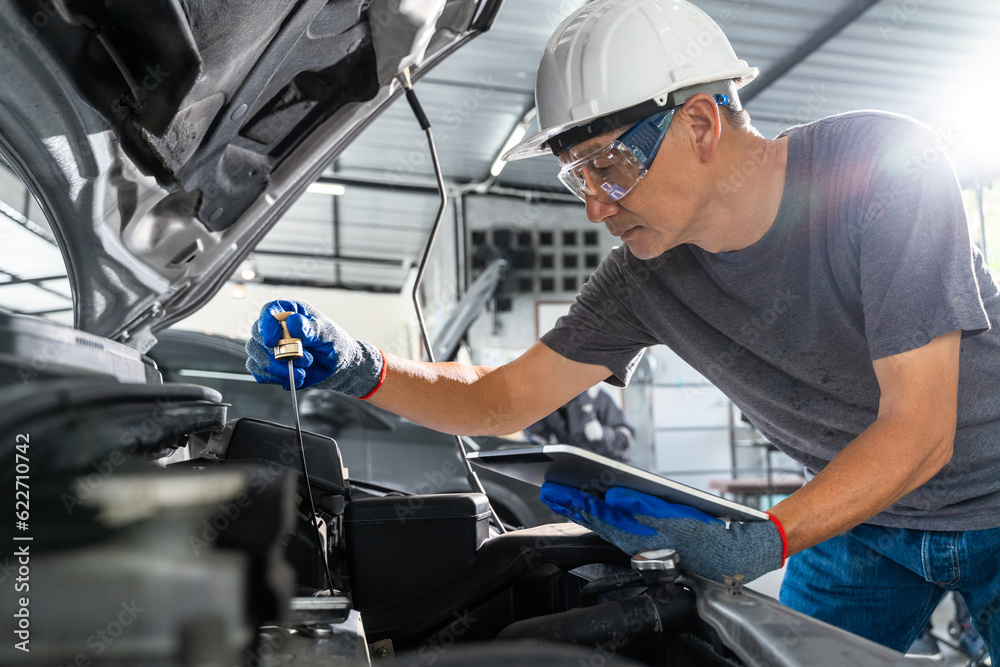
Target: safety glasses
612, 170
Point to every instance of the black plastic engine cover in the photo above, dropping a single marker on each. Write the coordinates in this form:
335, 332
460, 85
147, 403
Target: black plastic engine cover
276, 444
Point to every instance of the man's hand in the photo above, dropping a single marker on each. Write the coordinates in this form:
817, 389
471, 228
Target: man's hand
332, 359
593, 431
635, 522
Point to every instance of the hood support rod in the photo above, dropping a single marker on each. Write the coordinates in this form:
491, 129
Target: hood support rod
404, 79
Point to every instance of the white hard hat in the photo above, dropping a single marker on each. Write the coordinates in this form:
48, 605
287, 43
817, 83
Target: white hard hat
611, 55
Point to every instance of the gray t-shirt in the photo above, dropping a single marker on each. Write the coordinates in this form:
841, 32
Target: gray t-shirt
869, 256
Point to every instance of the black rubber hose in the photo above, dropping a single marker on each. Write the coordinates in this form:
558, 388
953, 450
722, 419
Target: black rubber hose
637, 620
418, 110
593, 590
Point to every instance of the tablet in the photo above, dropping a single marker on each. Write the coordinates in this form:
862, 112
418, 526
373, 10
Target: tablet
592, 472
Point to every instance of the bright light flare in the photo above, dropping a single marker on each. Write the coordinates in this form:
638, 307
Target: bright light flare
967, 120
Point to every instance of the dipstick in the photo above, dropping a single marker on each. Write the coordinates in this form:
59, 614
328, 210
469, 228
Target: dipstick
291, 348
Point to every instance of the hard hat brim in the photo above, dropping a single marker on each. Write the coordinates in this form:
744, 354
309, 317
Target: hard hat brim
535, 145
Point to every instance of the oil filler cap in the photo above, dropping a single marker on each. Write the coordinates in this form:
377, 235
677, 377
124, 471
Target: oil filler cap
658, 562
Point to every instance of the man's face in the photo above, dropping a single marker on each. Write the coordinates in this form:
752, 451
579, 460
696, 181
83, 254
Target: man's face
659, 212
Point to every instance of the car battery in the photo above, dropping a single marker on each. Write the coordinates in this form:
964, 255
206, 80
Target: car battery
411, 543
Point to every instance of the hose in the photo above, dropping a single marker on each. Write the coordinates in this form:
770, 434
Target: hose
637, 621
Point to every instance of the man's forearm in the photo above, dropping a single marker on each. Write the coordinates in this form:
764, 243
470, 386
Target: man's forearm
453, 398
906, 445
483, 400
449, 397
883, 464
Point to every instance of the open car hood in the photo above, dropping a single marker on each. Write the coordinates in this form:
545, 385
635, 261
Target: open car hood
163, 139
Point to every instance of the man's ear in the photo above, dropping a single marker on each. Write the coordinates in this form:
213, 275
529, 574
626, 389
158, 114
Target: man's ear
702, 118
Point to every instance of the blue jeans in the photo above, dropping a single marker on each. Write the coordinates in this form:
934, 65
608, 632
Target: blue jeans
883, 583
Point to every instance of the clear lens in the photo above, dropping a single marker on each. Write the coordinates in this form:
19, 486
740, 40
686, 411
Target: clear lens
609, 171
614, 169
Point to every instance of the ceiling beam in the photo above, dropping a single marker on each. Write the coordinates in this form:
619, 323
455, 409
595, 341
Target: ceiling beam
14, 280
322, 284
403, 263
17, 280
356, 180
39, 313
826, 32
482, 83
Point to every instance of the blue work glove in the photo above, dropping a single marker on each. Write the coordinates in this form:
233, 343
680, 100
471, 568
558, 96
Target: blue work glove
635, 521
331, 359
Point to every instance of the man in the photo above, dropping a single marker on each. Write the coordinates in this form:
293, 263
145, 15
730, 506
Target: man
824, 280
592, 421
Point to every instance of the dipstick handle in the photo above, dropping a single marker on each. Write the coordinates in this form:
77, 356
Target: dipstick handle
287, 347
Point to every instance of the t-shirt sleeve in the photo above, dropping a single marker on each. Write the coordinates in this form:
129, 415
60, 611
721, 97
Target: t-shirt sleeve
915, 256
601, 326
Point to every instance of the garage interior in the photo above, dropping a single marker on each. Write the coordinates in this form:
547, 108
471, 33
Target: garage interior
351, 243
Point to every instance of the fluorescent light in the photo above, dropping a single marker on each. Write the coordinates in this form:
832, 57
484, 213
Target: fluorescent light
515, 136
215, 375
327, 188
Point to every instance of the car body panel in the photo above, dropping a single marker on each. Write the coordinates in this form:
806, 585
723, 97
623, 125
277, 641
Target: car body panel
155, 202
762, 631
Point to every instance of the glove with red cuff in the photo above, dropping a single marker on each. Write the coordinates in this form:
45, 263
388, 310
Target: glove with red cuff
635, 521
331, 359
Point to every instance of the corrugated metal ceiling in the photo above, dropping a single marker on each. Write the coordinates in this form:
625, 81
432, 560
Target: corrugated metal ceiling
907, 56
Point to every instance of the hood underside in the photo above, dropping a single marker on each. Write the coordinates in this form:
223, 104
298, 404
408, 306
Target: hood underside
164, 138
